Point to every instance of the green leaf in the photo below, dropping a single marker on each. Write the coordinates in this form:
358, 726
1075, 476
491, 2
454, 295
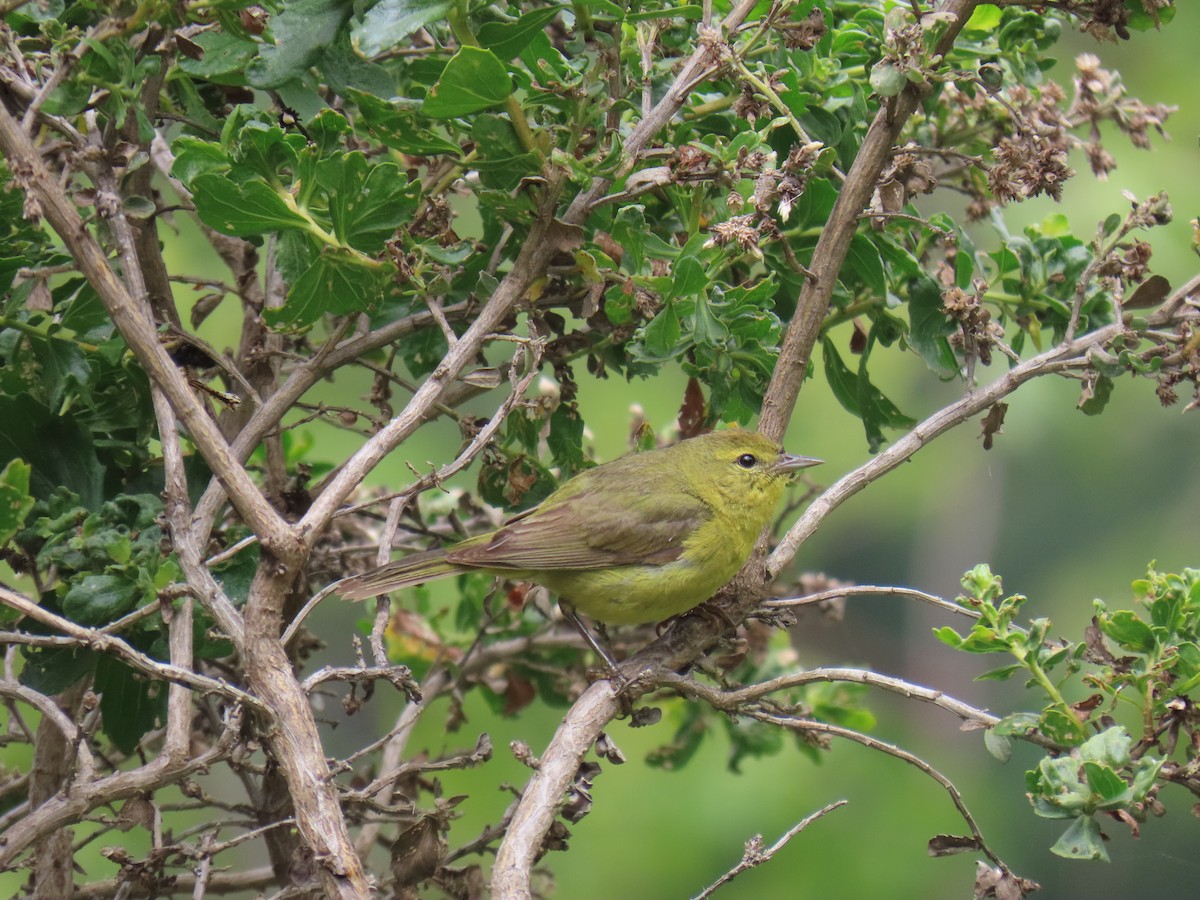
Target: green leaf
15, 502
689, 735
301, 31
618, 304
343, 68
860, 397
1016, 724
366, 204
688, 277
242, 210
59, 449
661, 334
999, 745
225, 57
866, 265
1112, 747
1127, 629
1081, 841
929, 327
886, 79
99, 599
985, 18
1109, 787
474, 79
1141, 20
389, 22
51, 671
130, 706
1056, 789
948, 636
64, 369
841, 380
1100, 394
565, 439
629, 230
336, 283
195, 157
509, 39
423, 350
1001, 674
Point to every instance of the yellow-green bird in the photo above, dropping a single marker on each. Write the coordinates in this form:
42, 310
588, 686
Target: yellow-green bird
639, 539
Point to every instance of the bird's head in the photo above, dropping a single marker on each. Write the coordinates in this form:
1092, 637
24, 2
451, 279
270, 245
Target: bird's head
742, 468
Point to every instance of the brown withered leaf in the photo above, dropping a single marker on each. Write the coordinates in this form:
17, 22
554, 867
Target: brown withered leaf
462, 884
1149, 294
949, 844
1001, 885
992, 424
606, 749
858, 338
518, 694
693, 410
563, 237
136, 811
188, 47
1084, 708
556, 838
1097, 650
417, 852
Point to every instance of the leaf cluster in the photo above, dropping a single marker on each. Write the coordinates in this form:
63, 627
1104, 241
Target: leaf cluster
1146, 663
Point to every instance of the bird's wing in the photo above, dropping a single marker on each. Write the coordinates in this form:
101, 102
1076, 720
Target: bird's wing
586, 531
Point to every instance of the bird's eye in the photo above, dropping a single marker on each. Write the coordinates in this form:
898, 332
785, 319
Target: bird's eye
747, 460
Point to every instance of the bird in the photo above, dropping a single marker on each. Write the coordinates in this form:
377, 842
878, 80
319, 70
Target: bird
639, 539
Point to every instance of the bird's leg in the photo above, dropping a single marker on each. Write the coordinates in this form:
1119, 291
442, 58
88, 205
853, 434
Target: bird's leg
589, 636
619, 682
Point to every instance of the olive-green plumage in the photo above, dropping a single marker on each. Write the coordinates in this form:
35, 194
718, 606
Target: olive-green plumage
638, 539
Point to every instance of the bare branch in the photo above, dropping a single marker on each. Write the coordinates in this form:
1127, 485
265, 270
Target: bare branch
67, 808
755, 855
135, 326
836, 235
858, 590
107, 643
809, 726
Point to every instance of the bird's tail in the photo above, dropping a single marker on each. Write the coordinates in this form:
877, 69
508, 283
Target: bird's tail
414, 569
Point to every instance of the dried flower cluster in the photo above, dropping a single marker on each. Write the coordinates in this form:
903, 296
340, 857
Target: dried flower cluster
1109, 19
1100, 95
774, 189
977, 332
1032, 161
909, 174
805, 34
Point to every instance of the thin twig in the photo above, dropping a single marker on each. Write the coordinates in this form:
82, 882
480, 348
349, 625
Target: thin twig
755, 855
810, 726
864, 589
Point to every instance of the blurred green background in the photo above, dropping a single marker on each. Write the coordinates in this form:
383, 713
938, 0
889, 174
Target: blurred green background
1065, 507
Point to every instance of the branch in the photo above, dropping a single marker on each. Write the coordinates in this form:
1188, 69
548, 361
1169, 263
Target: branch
543, 795
129, 314
836, 235
546, 236
736, 701
97, 640
70, 807
1065, 355
858, 590
755, 855
809, 726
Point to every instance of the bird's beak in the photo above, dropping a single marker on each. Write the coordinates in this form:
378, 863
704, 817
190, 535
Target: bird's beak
789, 463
